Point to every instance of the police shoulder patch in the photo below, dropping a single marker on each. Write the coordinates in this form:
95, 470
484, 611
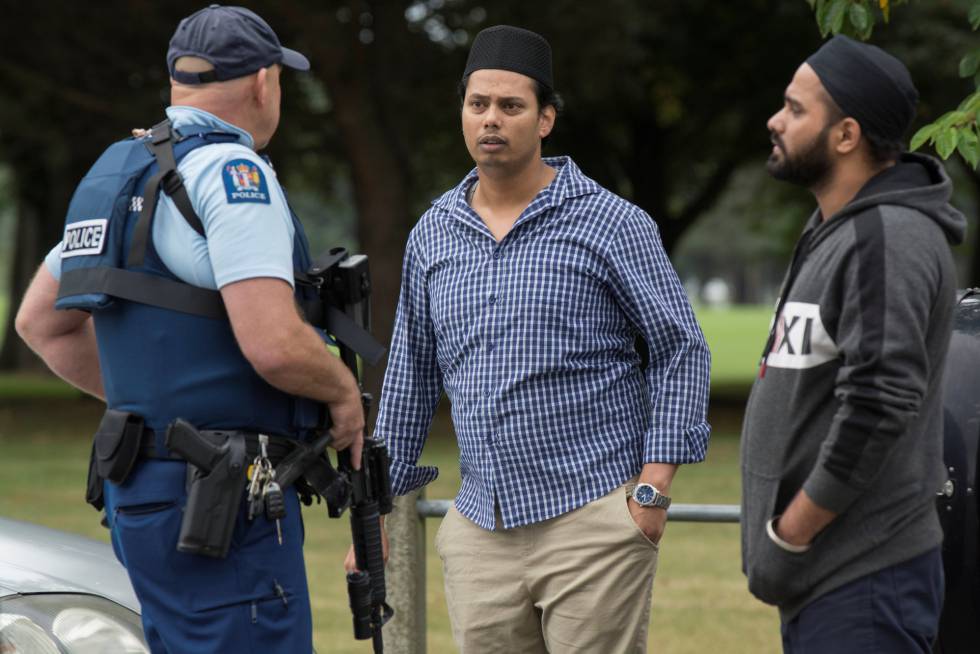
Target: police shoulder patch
84, 237
244, 182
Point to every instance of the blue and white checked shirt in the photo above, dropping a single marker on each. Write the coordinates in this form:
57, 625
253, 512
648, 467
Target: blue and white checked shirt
532, 339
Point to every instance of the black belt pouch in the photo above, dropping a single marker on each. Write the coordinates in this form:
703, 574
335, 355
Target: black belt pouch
117, 445
93, 485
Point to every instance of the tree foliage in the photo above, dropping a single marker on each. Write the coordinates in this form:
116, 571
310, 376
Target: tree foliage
665, 101
954, 131
654, 114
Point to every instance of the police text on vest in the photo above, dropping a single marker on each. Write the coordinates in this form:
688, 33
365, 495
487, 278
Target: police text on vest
84, 237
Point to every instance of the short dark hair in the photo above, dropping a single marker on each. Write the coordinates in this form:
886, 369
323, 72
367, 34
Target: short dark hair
544, 94
882, 150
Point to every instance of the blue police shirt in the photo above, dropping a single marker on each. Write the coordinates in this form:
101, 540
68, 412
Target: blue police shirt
238, 198
532, 339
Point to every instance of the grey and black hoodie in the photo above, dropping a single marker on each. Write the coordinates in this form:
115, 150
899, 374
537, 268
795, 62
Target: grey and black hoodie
848, 402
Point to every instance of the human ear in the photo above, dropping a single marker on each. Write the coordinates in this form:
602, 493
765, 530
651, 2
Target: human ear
546, 121
260, 86
849, 134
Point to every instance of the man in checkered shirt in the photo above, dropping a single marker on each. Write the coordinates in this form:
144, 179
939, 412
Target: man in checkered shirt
523, 291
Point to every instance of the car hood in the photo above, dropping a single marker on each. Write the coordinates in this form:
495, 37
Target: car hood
36, 559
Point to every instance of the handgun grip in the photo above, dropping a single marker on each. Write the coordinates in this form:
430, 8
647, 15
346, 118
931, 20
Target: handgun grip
183, 438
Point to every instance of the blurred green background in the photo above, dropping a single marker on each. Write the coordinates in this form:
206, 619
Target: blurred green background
666, 104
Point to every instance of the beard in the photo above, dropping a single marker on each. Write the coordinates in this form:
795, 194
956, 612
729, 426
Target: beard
809, 167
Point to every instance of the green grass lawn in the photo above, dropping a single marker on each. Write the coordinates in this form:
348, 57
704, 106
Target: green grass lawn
700, 600
736, 336
30, 387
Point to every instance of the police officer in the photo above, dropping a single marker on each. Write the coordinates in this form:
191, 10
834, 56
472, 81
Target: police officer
260, 369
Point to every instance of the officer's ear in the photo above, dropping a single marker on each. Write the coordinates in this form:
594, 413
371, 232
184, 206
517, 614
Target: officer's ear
260, 86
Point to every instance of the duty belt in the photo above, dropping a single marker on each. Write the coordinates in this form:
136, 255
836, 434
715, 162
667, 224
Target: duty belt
123, 439
278, 448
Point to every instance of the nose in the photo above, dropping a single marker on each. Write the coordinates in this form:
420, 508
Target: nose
775, 122
491, 117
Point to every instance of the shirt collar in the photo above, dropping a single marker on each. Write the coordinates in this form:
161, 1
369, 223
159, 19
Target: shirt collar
183, 117
569, 183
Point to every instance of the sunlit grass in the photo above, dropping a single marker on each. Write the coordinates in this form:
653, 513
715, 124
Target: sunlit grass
736, 336
700, 600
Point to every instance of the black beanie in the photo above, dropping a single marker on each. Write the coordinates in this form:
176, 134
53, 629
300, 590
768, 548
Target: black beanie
868, 84
511, 48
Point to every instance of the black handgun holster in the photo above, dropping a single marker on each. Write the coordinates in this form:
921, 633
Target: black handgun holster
114, 452
213, 501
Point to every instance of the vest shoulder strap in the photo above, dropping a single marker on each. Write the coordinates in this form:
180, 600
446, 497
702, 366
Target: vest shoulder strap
161, 144
143, 287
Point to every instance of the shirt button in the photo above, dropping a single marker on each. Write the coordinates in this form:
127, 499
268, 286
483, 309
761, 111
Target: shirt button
496, 254
492, 299
486, 394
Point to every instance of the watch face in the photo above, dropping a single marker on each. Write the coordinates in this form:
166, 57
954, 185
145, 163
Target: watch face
644, 494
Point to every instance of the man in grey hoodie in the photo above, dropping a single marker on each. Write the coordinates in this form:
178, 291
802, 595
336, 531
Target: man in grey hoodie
842, 439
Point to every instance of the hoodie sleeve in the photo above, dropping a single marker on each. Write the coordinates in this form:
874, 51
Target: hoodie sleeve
888, 289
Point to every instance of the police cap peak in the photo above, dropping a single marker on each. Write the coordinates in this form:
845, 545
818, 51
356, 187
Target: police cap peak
235, 40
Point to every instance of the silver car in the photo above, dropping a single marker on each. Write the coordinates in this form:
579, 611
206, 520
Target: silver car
64, 594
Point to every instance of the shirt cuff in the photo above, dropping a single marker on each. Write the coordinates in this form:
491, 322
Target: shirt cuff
673, 446
829, 492
407, 477
271, 272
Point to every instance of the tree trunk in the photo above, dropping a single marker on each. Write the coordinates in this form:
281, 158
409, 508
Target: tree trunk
15, 355
382, 199
42, 192
380, 176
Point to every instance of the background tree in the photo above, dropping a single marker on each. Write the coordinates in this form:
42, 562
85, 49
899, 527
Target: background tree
952, 131
665, 102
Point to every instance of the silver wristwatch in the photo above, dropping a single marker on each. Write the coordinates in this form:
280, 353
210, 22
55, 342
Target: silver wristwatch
647, 495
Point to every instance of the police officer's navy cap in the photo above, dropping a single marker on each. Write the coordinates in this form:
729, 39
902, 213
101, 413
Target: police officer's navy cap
503, 47
236, 41
868, 84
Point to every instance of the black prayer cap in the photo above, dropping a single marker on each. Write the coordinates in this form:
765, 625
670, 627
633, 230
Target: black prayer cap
503, 47
868, 84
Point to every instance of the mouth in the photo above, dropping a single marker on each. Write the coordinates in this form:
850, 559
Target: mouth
491, 142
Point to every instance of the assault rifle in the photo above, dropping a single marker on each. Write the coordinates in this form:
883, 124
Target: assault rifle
343, 288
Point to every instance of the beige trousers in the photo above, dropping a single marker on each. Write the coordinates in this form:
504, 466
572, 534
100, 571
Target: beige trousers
581, 582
